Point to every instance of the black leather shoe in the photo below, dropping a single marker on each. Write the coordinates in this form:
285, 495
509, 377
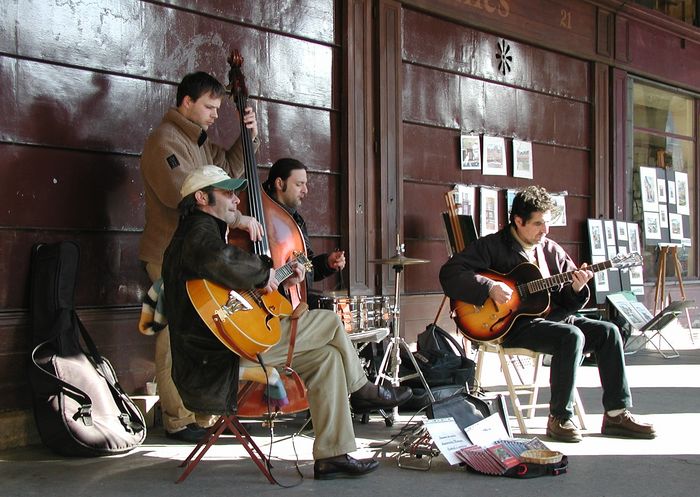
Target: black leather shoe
381, 398
343, 467
192, 434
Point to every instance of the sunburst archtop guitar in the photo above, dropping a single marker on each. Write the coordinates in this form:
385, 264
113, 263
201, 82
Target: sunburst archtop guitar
491, 322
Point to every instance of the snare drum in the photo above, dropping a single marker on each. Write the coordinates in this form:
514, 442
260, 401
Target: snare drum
360, 313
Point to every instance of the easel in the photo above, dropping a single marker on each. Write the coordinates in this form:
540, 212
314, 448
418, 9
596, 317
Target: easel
660, 286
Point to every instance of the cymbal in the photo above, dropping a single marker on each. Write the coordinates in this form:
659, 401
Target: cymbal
399, 260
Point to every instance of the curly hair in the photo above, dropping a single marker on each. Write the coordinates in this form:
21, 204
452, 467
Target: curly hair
529, 200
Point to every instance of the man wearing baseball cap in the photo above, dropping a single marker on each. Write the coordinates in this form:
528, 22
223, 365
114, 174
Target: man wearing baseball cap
206, 372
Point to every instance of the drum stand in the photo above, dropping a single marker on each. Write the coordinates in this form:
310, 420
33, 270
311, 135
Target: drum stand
389, 367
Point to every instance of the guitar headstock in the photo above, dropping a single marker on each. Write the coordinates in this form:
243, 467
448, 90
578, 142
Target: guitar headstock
622, 261
303, 260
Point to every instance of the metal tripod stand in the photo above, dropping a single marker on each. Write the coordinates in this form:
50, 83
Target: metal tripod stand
391, 361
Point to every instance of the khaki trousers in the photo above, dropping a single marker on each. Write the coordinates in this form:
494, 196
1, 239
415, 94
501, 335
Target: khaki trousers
175, 415
328, 363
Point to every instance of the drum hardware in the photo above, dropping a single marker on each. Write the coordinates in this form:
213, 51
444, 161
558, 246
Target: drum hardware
389, 367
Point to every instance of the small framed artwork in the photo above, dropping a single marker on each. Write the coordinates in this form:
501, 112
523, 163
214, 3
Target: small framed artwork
489, 211
675, 222
661, 190
609, 232
471, 152
522, 159
649, 188
558, 211
595, 233
663, 215
510, 196
621, 230
682, 200
494, 156
671, 192
465, 198
633, 235
601, 277
636, 275
652, 227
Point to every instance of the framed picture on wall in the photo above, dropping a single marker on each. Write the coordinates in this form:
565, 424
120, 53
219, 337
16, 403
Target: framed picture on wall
596, 236
522, 159
649, 189
633, 235
559, 210
661, 190
489, 211
675, 224
471, 152
601, 277
663, 215
671, 192
465, 198
621, 230
682, 200
652, 227
494, 156
609, 226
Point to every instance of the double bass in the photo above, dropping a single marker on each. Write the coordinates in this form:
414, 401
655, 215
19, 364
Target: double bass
247, 322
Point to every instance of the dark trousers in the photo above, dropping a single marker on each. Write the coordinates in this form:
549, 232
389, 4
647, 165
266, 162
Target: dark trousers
567, 341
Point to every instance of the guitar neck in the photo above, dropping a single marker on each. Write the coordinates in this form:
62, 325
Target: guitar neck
559, 279
284, 272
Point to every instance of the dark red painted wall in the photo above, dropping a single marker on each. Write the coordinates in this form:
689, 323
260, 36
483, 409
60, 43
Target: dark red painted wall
83, 83
452, 86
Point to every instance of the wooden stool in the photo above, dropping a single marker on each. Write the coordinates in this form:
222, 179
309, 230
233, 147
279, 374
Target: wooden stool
507, 357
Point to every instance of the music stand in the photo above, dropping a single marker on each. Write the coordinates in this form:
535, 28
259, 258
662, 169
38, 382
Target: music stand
656, 325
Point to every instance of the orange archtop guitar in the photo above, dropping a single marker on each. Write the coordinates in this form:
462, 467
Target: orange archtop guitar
247, 322
491, 322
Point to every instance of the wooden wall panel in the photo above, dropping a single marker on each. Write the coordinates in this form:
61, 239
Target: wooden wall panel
114, 333
459, 49
48, 188
452, 87
81, 94
110, 273
474, 106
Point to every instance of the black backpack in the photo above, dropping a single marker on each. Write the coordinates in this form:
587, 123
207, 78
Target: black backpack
79, 407
442, 358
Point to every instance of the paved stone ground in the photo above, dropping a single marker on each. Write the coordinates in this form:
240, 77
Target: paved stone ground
666, 392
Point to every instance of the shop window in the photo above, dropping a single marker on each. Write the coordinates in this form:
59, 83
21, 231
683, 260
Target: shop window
663, 151
683, 10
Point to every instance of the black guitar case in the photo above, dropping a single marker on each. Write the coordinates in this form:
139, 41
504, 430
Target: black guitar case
79, 407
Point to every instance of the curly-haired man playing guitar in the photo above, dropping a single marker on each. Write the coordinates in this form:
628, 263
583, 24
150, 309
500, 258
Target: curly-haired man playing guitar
465, 277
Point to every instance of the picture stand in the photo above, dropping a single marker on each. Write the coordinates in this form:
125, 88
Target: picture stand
660, 286
655, 327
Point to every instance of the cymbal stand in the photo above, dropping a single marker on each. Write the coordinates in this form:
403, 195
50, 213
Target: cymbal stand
389, 367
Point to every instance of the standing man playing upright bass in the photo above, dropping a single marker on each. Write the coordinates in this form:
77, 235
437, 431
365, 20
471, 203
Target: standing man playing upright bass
175, 148
561, 333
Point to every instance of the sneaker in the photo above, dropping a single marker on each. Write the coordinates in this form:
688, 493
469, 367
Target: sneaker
624, 425
563, 430
192, 433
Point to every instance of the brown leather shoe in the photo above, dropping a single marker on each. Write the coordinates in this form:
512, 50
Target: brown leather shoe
624, 425
343, 467
563, 430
